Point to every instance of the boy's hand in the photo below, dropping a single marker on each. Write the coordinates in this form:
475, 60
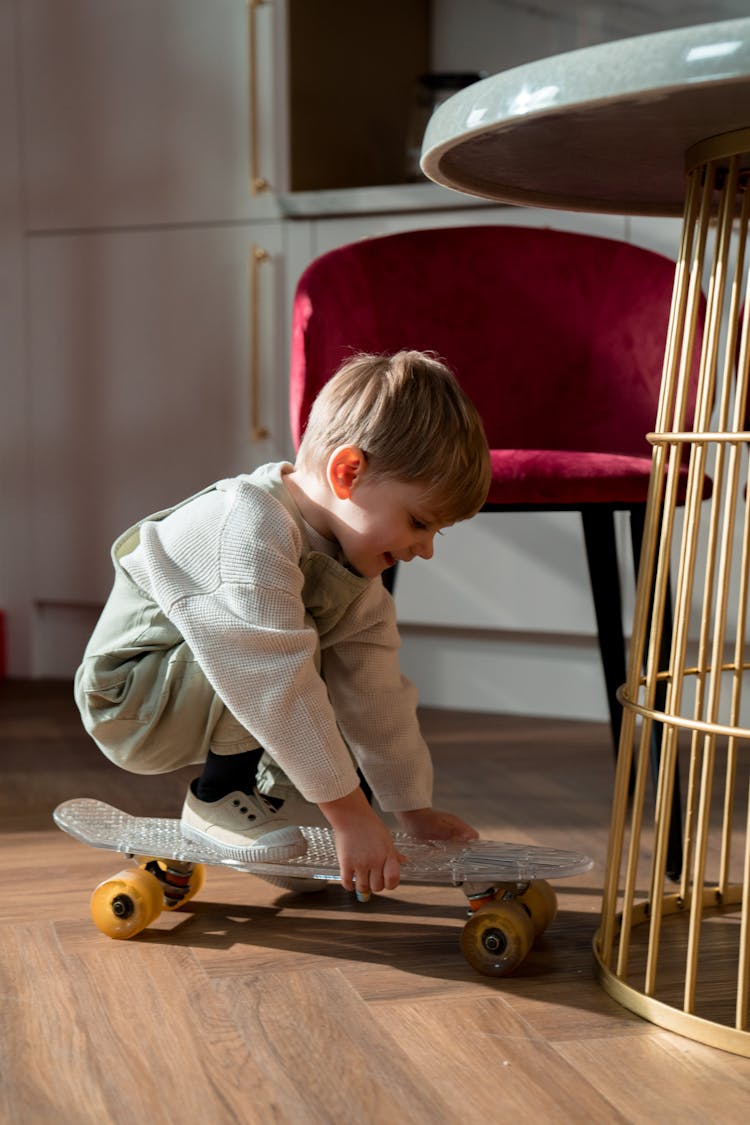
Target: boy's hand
432, 824
367, 854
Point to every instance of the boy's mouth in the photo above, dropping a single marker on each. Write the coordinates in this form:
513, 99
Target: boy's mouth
389, 559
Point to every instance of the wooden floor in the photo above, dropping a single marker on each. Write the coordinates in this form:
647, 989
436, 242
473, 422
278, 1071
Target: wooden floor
253, 1005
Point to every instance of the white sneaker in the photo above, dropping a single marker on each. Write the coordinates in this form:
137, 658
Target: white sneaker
242, 826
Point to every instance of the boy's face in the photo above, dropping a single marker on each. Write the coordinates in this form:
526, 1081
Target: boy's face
382, 521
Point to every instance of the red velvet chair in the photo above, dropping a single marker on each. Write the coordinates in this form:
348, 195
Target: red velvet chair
559, 340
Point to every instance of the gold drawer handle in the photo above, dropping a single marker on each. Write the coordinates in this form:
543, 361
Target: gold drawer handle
258, 183
258, 432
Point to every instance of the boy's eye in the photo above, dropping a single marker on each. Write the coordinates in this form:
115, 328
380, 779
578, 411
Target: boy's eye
418, 525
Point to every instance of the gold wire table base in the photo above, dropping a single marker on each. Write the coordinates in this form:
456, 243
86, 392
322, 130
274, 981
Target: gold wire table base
678, 958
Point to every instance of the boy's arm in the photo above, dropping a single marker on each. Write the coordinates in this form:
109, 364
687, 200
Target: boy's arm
375, 705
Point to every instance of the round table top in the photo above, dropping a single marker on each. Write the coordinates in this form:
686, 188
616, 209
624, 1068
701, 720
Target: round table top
604, 128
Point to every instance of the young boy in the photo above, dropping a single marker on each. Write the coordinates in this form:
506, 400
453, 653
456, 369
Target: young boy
252, 618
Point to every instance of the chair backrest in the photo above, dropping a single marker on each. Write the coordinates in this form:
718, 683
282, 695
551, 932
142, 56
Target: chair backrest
557, 337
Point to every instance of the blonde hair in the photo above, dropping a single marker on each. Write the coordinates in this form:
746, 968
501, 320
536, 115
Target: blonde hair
411, 419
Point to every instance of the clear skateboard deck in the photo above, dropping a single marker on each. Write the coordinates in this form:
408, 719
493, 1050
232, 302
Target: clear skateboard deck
505, 883
102, 826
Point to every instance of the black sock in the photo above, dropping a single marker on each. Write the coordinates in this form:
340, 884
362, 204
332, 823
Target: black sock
225, 773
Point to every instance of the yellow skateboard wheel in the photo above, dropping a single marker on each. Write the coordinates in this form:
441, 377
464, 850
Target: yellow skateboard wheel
496, 939
540, 901
125, 904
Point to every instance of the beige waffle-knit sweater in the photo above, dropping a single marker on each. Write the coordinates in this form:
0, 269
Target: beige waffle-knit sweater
233, 570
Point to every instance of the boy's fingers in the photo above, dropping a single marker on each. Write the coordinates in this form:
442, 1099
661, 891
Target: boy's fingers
365, 882
368, 881
347, 879
392, 871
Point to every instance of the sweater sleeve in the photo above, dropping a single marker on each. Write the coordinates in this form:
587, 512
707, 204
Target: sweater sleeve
375, 705
225, 569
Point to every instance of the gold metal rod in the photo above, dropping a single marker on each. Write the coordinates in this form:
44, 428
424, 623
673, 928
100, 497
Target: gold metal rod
715, 306
733, 320
636, 826
698, 466
684, 593
719, 437
683, 600
258, 432
693, 499
672, 366
688, 671
617, 831
685, 723
696, 911
744, 582
684, 583
644, 579
665, 789
644, 585
258, 183
731, 496
743, 972
676, 323
713, 620
733, 493
715, 301
691, 813
740, 405
743, 967
736, 700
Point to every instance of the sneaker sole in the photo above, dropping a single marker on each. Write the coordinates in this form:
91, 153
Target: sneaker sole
272, 853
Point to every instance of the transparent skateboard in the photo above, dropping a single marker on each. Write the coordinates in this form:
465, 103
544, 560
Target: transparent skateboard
510, 901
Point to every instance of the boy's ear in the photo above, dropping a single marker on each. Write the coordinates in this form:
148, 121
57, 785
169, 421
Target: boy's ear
345, 466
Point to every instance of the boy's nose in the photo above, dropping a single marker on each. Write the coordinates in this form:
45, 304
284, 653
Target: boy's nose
425, 546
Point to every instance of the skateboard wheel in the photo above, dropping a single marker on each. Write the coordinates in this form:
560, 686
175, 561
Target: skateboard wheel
540, 901
180, 881
125, 904
496, 939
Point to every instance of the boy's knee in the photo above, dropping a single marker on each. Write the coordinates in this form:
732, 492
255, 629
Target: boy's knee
230, 737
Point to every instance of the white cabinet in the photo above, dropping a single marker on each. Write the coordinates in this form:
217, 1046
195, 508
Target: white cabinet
146, 383
153, 150
137, 112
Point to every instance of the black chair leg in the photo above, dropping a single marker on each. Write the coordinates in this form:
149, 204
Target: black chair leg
674, 840
388, 578
601, 554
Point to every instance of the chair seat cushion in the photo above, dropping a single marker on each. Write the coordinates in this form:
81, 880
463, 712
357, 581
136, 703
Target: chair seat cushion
551, 477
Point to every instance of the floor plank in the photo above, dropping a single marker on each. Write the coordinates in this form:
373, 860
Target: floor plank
317, 1032
656, 1074
485, 1047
